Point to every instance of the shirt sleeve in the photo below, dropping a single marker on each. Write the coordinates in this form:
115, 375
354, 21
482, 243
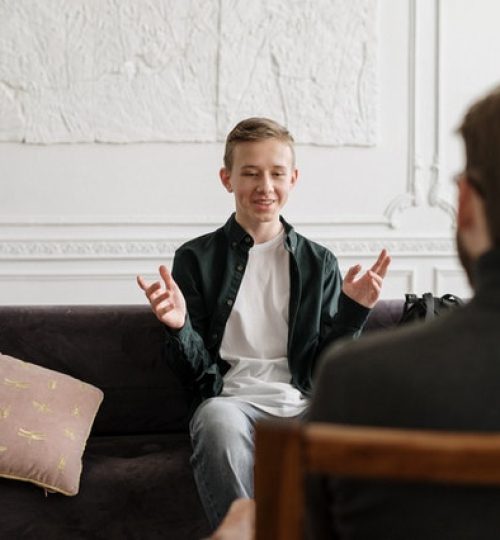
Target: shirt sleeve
341, 316
185, 349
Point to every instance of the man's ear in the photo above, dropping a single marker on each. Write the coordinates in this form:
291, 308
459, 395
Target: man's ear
295, 177
225, 176
465, 210
471, 220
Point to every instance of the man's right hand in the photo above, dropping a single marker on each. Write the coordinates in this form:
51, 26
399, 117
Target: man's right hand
167, 302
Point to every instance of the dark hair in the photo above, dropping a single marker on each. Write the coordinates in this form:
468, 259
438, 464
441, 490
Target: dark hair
252, 130
480, 130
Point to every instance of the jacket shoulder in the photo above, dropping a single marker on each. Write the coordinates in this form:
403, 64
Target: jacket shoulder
201, 243
376, 376
314, 249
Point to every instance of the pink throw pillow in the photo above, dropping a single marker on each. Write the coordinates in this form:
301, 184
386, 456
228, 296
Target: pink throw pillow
45, 421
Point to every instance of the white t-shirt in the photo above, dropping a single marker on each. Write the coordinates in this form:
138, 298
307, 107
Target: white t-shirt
256, 334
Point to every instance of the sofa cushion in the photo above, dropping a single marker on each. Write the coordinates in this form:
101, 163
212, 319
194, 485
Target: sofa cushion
137, 487
45, 421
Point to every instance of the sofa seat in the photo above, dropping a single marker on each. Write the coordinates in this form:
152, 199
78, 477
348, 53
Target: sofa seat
130, 484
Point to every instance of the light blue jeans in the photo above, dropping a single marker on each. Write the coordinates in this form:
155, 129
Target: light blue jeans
222, 436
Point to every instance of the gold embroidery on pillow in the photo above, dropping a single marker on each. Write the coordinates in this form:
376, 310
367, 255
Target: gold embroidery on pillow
76, 411
16, 384
42, 407
31, 435
4, 412
52, 384
62, 464
69, 434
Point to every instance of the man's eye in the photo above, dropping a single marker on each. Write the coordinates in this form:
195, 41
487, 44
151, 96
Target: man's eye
278, 174
249, 174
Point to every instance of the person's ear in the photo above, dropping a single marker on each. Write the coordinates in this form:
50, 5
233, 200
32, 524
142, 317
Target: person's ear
225, 176
465, 210
295, 177
471, 220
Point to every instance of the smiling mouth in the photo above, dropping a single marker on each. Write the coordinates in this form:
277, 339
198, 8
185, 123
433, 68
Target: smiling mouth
266, 202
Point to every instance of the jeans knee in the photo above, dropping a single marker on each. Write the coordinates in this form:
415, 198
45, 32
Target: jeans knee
218, 421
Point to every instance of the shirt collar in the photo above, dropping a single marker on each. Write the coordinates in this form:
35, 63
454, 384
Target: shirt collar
237, 234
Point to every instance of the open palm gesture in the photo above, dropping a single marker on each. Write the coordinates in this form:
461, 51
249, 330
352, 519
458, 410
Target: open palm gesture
365, 290
167, 301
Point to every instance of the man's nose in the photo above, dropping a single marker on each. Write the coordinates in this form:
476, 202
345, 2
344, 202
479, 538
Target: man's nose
266, 183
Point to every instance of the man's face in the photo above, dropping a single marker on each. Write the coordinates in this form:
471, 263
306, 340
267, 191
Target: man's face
261, 178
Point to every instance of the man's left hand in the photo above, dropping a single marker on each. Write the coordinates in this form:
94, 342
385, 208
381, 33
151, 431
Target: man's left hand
365, 290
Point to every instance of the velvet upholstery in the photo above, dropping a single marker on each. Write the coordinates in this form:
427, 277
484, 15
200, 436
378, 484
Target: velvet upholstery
136, 481
385, 315
118, 349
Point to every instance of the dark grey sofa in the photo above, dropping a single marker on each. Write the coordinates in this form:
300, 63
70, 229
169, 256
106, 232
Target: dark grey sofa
136, 481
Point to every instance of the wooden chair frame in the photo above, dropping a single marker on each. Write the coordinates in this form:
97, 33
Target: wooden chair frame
286, 451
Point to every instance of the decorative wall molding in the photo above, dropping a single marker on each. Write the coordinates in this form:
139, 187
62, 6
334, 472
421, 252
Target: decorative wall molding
87, 249
211, 222
450, 280
106, 221
421, 169
434, 198
408, 199
69, 276
152, 249
397, 247
409, 277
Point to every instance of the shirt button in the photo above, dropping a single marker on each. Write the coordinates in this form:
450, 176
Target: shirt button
214, 336
234, 244
229, 302
239, 268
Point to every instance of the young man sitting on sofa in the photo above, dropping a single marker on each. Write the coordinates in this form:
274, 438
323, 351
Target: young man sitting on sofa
248, 308
440, 376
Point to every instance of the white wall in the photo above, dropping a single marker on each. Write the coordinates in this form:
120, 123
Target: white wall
78, 221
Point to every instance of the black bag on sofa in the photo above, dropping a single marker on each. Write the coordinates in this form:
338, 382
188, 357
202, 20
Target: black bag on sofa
427, 306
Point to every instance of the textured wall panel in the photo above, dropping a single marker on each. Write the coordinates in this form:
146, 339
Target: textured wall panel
108, 70
172, 70
307, 63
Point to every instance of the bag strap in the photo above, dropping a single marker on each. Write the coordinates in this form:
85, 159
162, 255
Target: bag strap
429, 306
410, 299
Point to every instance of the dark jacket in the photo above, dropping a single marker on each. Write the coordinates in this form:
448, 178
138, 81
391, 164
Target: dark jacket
209, 270
441, 375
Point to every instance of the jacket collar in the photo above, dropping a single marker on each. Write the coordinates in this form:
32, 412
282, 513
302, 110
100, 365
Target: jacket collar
237, 234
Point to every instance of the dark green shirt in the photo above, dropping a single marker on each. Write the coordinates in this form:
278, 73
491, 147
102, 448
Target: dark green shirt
209, 270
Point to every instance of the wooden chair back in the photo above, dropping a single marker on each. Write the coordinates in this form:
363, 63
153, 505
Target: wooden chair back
287, 451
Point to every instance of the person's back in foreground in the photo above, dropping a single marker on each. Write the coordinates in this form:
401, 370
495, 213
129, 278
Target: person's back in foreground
248, 310
445, 375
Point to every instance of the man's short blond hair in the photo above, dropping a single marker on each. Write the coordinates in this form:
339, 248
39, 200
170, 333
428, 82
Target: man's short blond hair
253, 130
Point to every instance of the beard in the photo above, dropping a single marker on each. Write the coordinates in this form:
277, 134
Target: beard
465, 259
